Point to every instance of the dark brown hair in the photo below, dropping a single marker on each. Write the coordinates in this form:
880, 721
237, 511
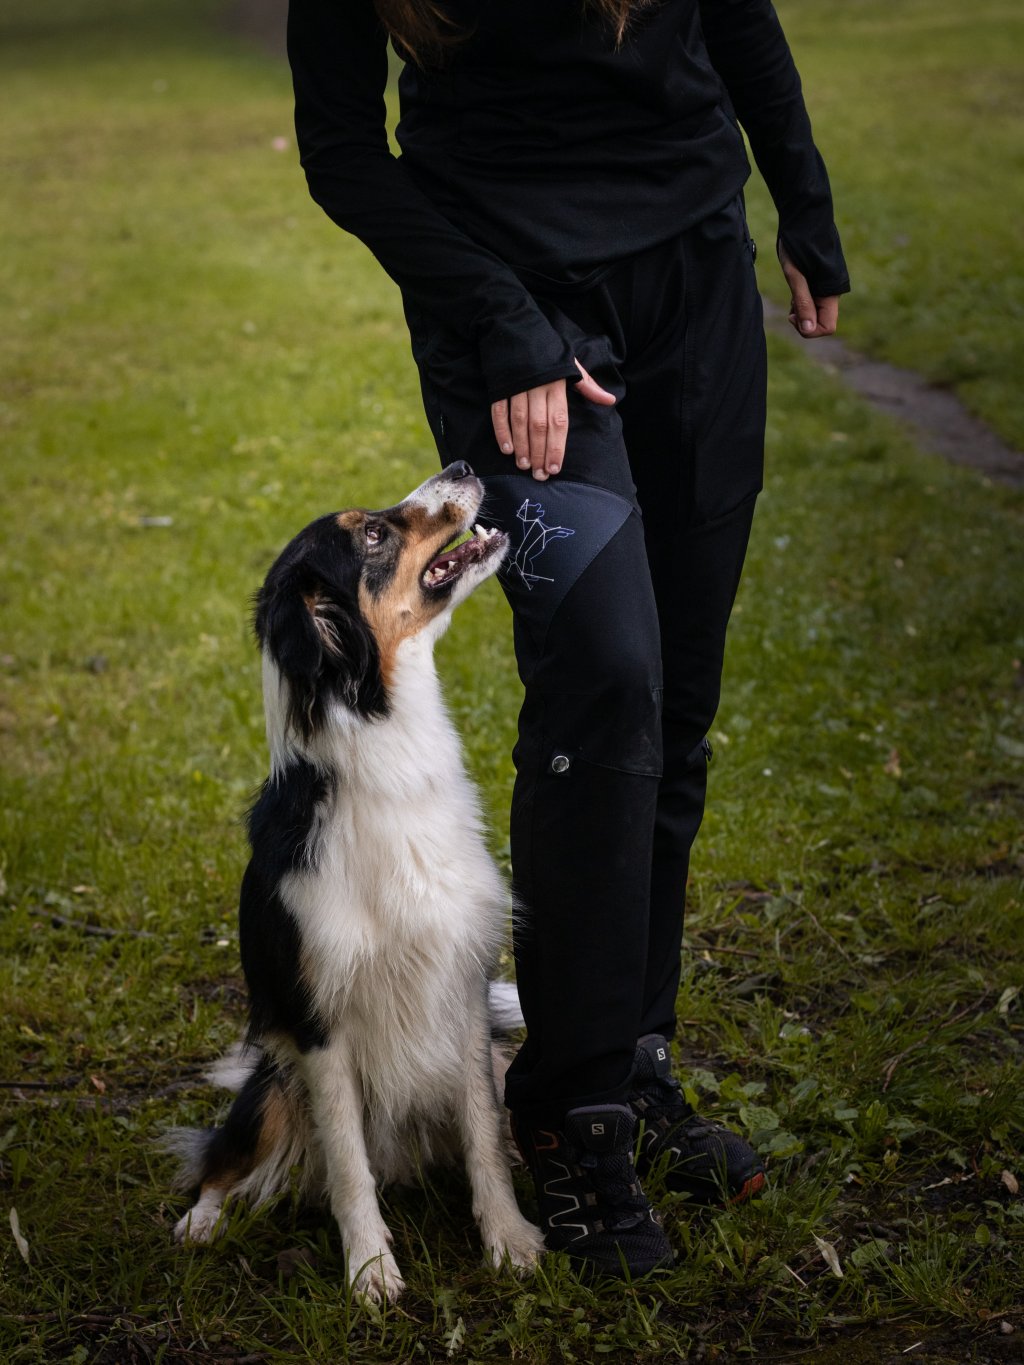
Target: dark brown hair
423, 30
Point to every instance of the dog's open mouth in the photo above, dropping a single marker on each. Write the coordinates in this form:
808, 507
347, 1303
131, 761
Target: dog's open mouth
469, 547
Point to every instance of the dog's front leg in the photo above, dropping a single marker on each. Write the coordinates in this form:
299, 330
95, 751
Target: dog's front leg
336, 1098
507, 1236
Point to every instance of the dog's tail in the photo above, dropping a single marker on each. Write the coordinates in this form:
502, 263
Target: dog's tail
505, 1011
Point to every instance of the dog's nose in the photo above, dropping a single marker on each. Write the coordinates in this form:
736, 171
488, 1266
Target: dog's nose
459, 470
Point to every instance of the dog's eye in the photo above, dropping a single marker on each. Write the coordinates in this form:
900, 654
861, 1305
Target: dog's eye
374, 535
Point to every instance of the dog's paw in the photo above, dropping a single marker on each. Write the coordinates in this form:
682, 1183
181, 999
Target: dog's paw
376, 1276
517, 1246
202, 1224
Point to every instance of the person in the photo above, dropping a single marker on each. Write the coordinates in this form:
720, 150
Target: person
565, 222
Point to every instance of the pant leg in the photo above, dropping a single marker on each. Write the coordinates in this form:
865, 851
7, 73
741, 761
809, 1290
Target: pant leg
693, 420
600, 839
588, 754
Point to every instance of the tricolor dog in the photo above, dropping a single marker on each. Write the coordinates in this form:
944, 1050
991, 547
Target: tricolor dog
370, 913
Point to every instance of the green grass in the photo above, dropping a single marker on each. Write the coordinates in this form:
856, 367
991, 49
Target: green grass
919, 110
185, 337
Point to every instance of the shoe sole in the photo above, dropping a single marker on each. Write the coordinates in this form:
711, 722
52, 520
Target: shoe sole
754, 1185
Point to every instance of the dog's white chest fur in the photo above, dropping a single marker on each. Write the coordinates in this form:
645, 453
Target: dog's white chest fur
402, 909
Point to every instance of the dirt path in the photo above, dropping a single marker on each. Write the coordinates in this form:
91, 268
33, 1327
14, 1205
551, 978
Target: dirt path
936, 417
938, 420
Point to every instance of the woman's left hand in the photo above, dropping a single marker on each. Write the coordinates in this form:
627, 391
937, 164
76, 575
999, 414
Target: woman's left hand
534, 425
811, 317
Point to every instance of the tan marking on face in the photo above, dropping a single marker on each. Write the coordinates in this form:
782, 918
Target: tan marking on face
350, 520
403, 608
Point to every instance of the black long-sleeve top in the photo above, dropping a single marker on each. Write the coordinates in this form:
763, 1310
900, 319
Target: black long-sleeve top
539, 149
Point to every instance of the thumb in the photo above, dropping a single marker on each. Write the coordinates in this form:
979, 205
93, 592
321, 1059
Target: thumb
588, 387
805, 310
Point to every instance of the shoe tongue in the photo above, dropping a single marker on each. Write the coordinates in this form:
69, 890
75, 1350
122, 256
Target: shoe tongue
653, 1061
600, 1128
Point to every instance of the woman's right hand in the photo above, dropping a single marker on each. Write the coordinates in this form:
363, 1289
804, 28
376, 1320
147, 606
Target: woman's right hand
533, 425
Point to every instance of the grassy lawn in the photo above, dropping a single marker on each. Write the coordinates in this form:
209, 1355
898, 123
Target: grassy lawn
919, 109
193, 363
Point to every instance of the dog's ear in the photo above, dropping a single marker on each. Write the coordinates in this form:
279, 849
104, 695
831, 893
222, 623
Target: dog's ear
308, 620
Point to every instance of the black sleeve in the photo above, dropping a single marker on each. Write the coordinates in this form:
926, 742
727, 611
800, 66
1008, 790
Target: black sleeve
749, 50
338, 55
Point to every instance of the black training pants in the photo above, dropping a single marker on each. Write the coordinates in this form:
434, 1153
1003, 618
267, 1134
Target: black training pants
621, 575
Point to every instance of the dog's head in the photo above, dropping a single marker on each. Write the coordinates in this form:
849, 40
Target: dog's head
351, 588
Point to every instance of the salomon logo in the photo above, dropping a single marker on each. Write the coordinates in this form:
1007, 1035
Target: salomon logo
661, 1054
597, 1129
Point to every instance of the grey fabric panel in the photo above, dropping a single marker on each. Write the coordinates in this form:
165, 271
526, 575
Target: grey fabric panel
556, 529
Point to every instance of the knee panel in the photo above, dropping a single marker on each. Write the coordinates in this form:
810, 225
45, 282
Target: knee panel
587, 633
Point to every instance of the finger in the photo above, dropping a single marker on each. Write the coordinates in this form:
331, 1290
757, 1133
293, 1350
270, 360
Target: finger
803, 313
502, 430
804, 308
538, 430
558, 428
588, 387
519, 411
828, 315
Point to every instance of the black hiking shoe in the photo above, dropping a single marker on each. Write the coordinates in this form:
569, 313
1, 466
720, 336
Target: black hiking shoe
702, 1158
591, 1203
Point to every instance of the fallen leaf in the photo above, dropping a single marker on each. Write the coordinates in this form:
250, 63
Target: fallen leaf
100, 1085
1006, 999
830, 1254
1010, 1181
892, 764
19, 1240
455, 1338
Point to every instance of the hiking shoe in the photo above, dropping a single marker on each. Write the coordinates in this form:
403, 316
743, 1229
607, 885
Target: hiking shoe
704, 1159
591, 1204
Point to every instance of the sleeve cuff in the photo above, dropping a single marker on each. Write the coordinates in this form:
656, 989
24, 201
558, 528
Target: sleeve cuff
524, 356
500, 388
819, 258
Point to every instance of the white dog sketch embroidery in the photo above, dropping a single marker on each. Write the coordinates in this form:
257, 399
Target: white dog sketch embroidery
534, 542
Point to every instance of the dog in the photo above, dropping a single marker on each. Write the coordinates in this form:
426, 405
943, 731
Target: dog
370, 912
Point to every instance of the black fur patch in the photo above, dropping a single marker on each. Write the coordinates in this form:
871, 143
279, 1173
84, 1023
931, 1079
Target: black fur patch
280, 825
308, 617
230, 1148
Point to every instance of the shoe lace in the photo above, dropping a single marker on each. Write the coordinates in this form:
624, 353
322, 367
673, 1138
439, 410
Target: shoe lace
615, 1183
663, 1099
